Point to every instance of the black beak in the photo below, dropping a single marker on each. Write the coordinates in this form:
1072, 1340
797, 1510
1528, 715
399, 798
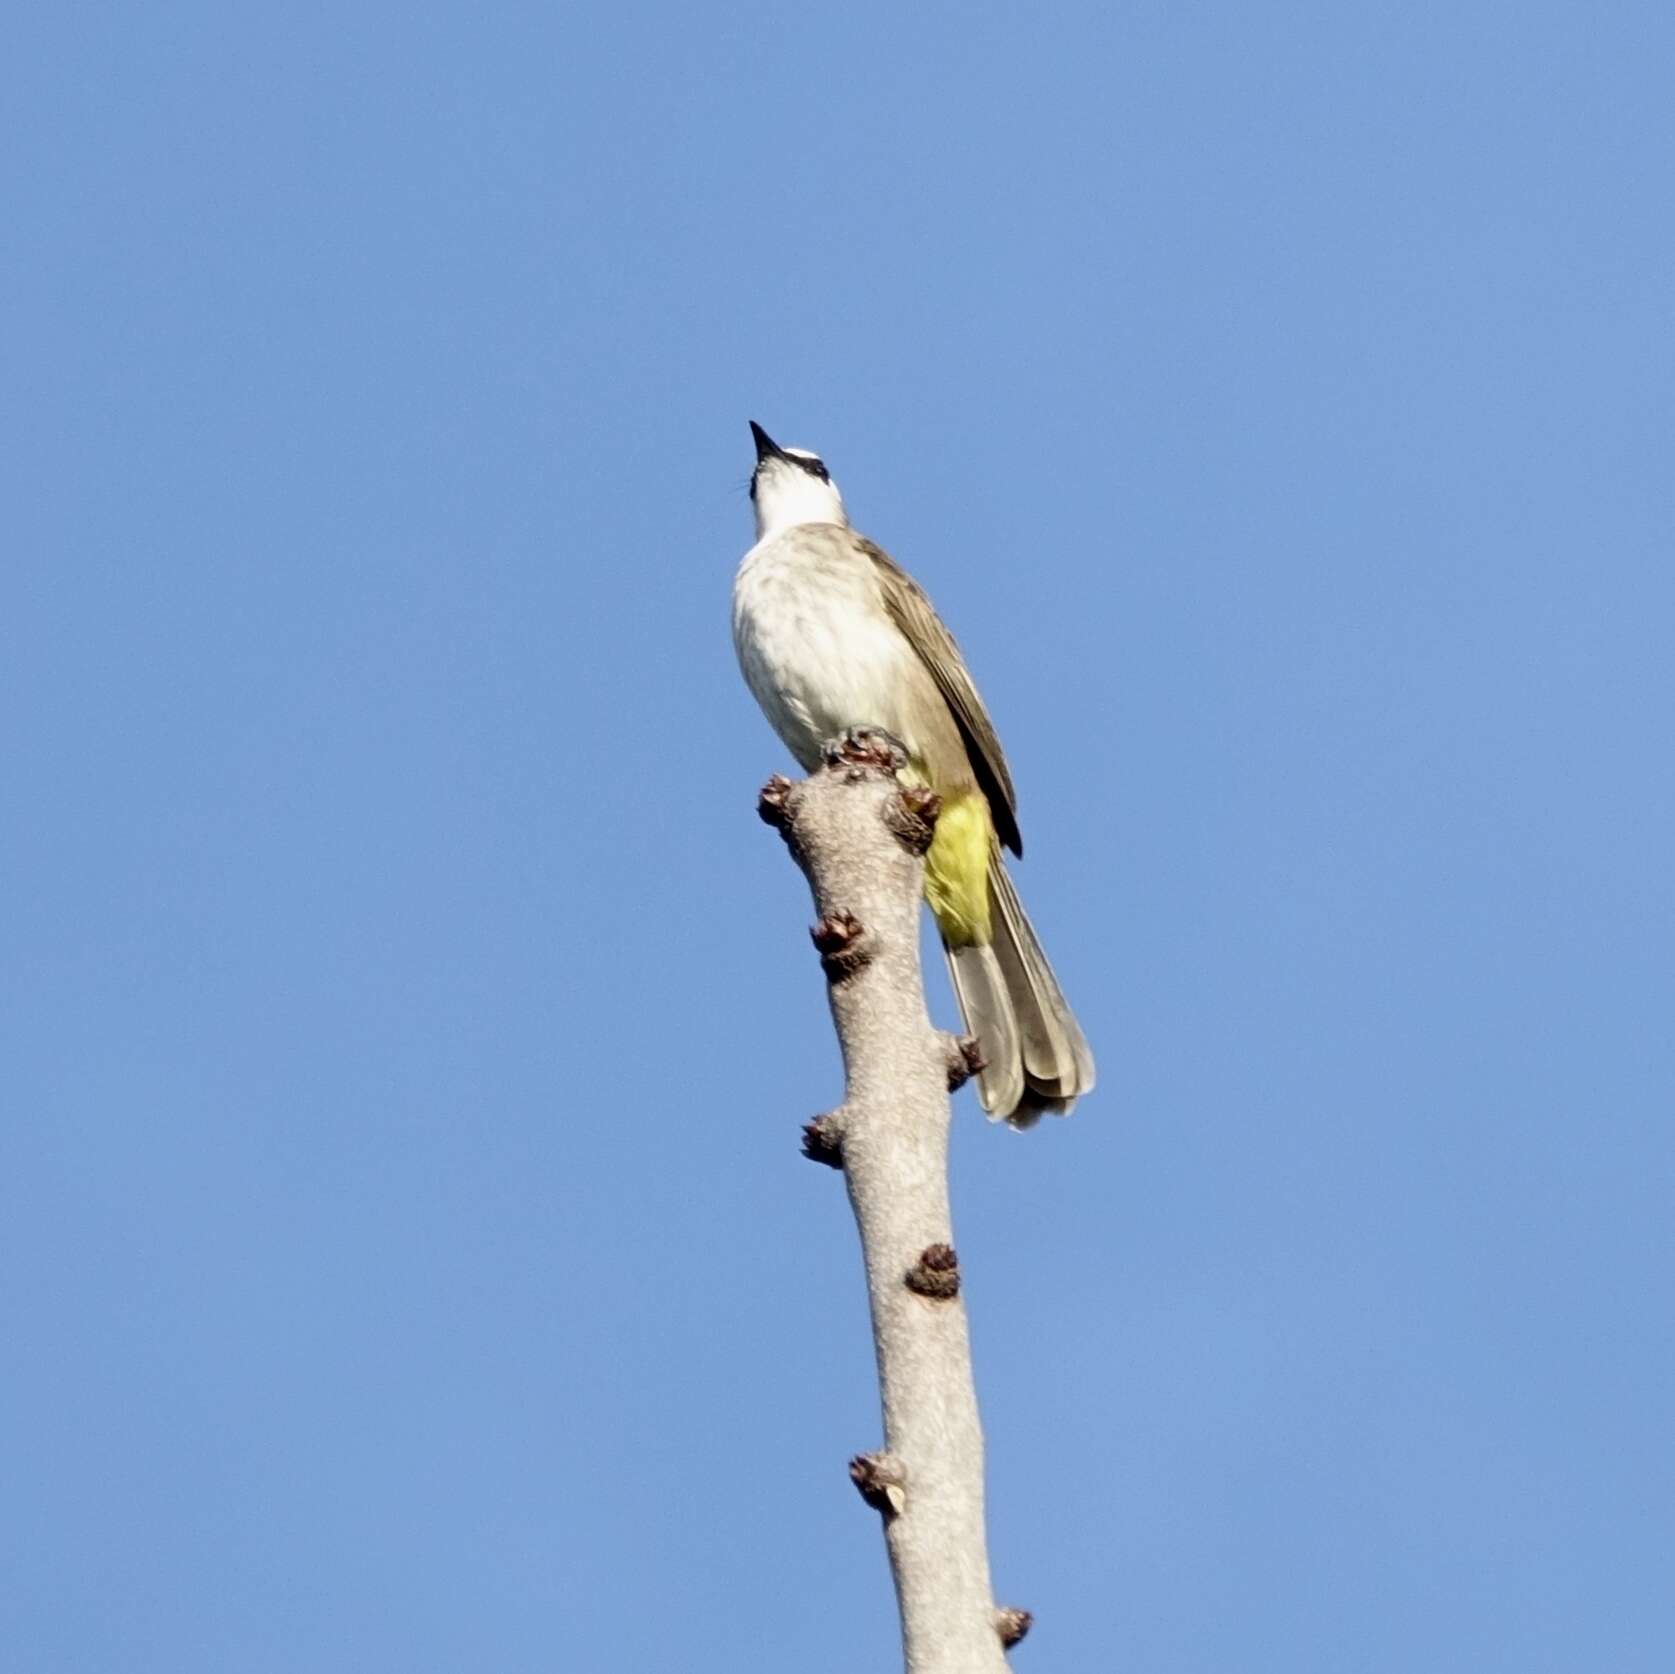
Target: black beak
766, 446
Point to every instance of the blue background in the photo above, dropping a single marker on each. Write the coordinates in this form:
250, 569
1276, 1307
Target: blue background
407, 1024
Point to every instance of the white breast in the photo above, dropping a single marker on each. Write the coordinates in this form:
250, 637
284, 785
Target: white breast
814, 641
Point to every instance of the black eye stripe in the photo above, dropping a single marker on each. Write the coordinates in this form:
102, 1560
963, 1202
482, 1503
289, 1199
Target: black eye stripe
814, 467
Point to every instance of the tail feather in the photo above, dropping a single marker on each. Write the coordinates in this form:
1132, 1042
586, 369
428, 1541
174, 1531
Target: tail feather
1038, 1060
986, 1005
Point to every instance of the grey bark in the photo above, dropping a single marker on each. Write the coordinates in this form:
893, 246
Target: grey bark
859, 838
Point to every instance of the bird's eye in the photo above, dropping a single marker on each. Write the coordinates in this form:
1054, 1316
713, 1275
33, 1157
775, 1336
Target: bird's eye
816, 469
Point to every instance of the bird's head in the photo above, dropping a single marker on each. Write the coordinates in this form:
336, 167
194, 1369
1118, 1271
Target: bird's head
790, 486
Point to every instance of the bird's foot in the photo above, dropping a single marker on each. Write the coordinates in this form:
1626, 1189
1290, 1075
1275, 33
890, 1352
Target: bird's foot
867, 747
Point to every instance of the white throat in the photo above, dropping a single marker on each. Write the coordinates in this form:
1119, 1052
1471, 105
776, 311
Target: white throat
787, 496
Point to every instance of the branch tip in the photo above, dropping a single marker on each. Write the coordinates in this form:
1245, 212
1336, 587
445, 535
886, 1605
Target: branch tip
936, 1274
823, 1140
880, 1481
1012, 1624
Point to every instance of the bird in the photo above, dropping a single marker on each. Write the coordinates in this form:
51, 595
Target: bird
833, 635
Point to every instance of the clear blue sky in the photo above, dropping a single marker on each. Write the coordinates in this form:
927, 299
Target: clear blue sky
408, 1264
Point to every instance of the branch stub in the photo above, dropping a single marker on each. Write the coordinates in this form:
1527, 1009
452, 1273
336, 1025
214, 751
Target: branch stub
965, 1059
936, 1274
1012, 1624
880, 1480
773, 803
911, 817
840, 938
823, 1140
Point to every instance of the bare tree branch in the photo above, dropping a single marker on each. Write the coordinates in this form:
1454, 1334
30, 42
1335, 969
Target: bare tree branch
860, 839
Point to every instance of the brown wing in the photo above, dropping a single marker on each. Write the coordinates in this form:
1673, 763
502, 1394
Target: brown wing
912, 612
